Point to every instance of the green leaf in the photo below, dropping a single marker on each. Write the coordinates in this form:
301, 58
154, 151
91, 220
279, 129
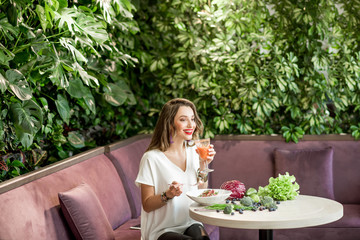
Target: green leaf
62, 3
127, 4
114, 95
8, 30
86, 78
77, 89
5, 56
3, 83
66, 19
15, 172
58, 74
1, 132
62, 106
294, 138
92, 28
27, 116
40, 11
90, 102
44, 104
153, 66
354, 127
70, 45
12, 13
117, 93
17, 163
120, 6
18, 84
50, 14
76, 140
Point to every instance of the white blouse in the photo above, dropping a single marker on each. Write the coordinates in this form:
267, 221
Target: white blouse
158, 171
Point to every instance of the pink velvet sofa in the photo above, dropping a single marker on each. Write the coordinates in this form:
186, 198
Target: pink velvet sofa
100, 182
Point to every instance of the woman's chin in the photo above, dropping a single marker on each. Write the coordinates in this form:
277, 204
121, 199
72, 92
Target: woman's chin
188, 138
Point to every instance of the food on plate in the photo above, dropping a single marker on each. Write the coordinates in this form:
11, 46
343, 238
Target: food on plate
236, 187
208, 193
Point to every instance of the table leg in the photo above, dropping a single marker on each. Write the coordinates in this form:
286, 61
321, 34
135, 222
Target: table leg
265, 234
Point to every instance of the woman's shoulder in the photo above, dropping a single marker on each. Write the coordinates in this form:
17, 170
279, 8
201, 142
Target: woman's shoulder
151, 154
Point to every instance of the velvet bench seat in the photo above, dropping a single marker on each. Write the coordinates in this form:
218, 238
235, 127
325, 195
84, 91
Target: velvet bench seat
30, 207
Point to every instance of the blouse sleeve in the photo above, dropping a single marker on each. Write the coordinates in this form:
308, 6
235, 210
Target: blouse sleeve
145, 174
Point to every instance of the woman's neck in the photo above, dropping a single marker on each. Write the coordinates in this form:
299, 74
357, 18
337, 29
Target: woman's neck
176, 153
177, 146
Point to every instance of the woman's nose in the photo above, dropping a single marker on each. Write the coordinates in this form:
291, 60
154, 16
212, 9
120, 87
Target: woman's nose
190, 124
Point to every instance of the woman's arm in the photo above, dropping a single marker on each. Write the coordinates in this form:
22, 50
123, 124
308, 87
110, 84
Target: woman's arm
151, 202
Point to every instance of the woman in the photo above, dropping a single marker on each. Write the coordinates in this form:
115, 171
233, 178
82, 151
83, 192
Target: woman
169, 168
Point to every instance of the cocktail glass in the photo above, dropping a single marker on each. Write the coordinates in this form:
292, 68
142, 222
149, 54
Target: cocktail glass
203, 146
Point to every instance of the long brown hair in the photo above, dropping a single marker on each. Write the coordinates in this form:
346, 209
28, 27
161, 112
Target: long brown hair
165, 124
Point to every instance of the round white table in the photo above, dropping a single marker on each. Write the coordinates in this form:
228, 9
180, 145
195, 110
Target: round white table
304, 211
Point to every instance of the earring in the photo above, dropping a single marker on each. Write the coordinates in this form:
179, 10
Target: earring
171, 138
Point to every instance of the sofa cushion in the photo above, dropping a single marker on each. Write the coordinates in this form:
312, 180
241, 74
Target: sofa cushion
84, 213
311, 167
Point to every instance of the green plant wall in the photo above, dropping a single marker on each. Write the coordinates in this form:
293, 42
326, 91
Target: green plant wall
65, 79
79, 74
258, 67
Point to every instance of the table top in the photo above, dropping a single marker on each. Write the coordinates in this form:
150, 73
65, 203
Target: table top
304, 211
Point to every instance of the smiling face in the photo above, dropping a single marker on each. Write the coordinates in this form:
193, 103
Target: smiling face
178, 120
184, 122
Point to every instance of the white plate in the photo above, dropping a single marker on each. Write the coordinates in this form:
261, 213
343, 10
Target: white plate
219, 198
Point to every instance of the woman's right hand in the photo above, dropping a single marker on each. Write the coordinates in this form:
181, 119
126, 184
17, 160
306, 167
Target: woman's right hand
174, 190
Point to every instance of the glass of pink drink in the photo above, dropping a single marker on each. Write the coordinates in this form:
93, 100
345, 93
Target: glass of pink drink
203, 146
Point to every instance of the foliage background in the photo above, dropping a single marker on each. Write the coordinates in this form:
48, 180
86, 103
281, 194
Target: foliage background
79, 74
